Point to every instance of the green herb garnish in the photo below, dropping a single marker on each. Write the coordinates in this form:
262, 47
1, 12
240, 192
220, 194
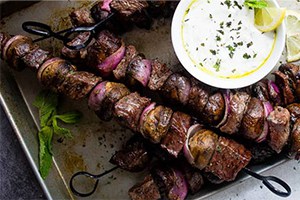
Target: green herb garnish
217, 65
256, 3
47, 103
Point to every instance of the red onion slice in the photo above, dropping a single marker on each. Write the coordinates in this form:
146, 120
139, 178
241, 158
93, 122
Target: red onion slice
106, 5
140, 70
274, 92
97, 95
111, 62
179, 190
268, 108
227, 96
186, 149
144, 115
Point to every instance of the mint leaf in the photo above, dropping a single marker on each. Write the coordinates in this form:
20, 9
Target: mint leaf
45, 150
70, 117
59, 130
256, 3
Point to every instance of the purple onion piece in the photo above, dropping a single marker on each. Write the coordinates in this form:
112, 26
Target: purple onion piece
179, 190
268, 108
44, 66
97, 95
106, 5
186, 149
227, 96
145, 112
140, 70
110, 63
274, 86
274, 92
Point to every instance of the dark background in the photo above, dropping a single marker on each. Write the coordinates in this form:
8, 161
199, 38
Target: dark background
17, 180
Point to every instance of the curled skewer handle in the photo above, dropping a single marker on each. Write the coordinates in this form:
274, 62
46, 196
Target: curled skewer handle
266, 180
91, 176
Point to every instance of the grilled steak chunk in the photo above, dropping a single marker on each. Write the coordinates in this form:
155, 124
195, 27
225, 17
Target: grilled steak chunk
78, 84
286, 86
198, 98
279, 128
261, 152
134, 157
174, 141
156, 123
77, 56
295, 138
253, 120
229, 158
193, 177
82, 17
238, 106
177, 88
214, 109
129, 109
120, 71
159, 74
294, 110
146, 190
260, 90
127, 8
35, 58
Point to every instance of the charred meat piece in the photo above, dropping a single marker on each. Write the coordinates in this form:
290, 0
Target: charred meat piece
174, 140
193, 177
146, 190
138, 71
120, 71
228, 159
238, 106
78, 84
82, 17
279, 128
156, 123
260, 152
105, 45
76, 56
260, 90
15, 48
253, 120
127, 8
294, 110
214, 110
53, 73
104, 96
286, 85
293, 70
159, 74
134, 157
177, 89
295, 138
198, 98
4, 37
129, 109
35, 58
212, 178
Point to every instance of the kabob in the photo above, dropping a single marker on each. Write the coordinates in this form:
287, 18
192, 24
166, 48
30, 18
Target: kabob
174, 131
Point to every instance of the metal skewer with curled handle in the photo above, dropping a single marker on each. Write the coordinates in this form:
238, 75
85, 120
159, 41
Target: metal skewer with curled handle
45, 31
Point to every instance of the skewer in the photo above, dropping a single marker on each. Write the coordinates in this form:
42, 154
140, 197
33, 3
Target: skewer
266, 180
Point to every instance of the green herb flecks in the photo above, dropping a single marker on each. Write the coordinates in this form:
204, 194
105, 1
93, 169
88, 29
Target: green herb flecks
256, 3
47, 103
217, 65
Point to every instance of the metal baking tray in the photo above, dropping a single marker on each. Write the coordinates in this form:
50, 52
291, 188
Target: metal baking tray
94, 141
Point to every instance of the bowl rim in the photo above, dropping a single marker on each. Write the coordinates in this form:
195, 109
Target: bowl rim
224, 83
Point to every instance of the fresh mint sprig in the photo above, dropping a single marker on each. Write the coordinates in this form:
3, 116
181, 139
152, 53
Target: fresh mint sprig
47, 103
256, 3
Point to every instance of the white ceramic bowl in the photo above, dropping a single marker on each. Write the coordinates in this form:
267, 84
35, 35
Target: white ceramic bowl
227, 83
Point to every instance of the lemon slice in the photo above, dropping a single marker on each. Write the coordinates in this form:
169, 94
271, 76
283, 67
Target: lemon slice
293, 35
269, 18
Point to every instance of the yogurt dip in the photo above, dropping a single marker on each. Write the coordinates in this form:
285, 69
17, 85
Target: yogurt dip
220, 38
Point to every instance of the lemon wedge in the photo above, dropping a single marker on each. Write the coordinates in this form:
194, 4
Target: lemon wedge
293, 35
269, 18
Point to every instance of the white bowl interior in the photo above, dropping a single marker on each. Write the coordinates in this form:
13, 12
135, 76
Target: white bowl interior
217, 81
